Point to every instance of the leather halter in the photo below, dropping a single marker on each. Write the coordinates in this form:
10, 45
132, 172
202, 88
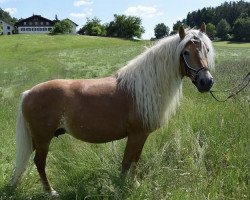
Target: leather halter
189, 69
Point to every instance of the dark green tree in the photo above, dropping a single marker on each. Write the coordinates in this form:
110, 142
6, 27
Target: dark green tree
211, 30
223, 28
125, 27
241, 29
6, 17
161, 30
62, 27
229, 11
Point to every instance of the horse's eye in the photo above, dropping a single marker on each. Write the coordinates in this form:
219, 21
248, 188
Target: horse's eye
186, 53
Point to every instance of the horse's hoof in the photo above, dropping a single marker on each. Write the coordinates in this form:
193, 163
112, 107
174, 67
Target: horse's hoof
54, 193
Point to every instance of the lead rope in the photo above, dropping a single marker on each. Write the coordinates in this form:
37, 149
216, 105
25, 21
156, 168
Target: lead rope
233, 92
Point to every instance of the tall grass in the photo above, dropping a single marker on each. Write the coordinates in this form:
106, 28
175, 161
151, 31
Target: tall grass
203, 153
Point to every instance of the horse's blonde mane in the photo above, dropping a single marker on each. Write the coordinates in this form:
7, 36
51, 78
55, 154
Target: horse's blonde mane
154, 80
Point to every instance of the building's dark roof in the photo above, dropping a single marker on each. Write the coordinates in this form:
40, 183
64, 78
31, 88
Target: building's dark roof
7, 22
30, 18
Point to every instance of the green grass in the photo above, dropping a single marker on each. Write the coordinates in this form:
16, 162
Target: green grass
201, 154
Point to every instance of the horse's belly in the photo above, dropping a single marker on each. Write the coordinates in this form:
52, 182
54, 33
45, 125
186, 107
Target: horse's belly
96, 130
98, 137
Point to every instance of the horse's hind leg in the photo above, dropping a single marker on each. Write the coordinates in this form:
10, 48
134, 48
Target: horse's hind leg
40, 162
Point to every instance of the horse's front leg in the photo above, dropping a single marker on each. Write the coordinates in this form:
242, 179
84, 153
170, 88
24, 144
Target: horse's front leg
133, 150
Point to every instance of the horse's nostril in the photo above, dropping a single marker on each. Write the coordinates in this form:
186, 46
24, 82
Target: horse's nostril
202, 82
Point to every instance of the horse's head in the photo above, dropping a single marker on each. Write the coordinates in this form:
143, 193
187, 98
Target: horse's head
194, 58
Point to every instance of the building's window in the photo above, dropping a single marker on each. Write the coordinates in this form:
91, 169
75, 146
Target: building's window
33, 29
36, 23
22, 29
24, 23
45, 29
8, 27
28, 29
41, 23
39, 29
49, 29
47, 23
30, 23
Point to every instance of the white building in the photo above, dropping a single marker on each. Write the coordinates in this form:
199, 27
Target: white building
37, 24
7, 29
34, 25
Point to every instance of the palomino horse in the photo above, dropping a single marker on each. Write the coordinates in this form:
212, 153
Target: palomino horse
134, 102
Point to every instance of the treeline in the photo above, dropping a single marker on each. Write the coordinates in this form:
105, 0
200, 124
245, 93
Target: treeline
229, 21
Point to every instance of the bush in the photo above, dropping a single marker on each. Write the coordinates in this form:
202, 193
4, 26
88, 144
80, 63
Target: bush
62, 27
125, 27
211, 30
93, 27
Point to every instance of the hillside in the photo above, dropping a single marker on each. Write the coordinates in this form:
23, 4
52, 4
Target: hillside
201, 154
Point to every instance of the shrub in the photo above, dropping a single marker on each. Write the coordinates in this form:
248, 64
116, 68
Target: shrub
62, 27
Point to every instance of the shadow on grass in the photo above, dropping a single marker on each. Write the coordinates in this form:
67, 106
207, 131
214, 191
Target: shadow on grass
6, 192
235, 42
98, 184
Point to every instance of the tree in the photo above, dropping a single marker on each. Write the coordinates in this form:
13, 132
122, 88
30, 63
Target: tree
241, 29
6, 17
93, 27
62, 27
223, 29
211, 30
161, 30
125, 27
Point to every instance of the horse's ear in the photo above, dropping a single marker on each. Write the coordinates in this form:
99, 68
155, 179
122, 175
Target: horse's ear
203, 28
182, 32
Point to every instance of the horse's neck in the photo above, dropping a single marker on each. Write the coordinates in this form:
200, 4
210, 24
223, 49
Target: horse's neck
154, 82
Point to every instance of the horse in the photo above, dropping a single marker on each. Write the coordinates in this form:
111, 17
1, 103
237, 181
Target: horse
135, 101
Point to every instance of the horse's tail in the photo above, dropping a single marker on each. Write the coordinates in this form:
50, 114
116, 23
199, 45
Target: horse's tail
24, 147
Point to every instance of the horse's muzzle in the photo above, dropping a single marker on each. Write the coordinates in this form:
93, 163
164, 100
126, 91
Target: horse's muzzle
204, 81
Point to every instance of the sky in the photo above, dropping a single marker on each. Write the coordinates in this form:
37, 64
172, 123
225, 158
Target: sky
152, 12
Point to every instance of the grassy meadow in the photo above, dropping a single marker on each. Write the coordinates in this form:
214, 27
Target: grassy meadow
203, 153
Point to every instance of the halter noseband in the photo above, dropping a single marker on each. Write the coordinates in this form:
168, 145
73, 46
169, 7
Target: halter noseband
189, 69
